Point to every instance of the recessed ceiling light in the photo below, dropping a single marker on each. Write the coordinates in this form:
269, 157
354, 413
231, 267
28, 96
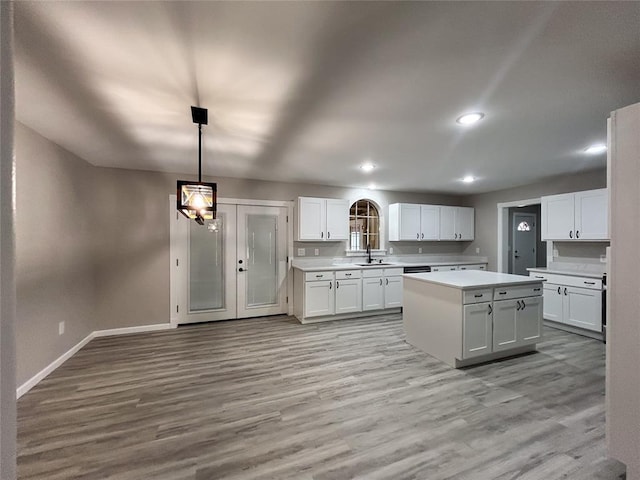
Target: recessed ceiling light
596, 149
367, 166
470, 118
468, 179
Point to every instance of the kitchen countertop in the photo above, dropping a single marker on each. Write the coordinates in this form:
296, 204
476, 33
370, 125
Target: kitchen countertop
567, 271
353, 266
468, 279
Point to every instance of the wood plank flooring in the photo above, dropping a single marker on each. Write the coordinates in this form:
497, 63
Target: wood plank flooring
272, 399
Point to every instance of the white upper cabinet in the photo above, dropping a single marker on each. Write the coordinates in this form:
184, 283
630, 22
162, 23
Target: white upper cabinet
408, 221
323, 219
576, 216
457, 223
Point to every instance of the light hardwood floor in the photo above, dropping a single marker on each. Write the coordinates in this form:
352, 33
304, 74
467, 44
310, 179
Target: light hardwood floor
272, 399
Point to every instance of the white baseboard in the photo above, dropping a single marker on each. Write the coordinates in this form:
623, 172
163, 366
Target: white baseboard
127, 330
33, 381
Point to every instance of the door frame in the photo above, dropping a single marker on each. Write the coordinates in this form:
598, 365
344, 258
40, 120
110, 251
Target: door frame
503, 231
173, 248
514, 232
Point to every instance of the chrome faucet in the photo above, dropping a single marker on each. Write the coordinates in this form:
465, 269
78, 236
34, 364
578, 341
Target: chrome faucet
369, 259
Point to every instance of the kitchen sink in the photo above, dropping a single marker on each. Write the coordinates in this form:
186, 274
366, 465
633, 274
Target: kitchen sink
374, 264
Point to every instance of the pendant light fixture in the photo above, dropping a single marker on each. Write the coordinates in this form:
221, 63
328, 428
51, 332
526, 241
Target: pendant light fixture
197, 200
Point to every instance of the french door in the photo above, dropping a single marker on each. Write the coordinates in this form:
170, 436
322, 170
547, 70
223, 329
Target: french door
236, 271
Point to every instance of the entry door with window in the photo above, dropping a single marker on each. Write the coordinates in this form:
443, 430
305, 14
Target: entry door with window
524, 243
236, 271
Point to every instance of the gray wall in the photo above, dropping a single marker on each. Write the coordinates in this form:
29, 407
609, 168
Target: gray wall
55, 247
487, 212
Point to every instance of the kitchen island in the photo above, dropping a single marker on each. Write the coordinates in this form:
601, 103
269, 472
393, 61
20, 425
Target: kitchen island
469, 317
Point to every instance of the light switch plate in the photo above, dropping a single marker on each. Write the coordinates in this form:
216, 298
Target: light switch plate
603, 258
316, 252
61, 328
419, 249
390, 250
477, 249
301, 252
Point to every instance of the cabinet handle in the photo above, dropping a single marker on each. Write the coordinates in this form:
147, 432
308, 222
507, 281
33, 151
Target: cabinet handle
502, 293
319, 276
559, 292
417, 236
328, 235
518, 303
387, 283
347, 274
478, 295
577, 233
523, 305
570, 233
490, 309
565, 290
589, 283
536, 289
537, 276
380, 282
321, 234
337, 284
422, 237
455, 235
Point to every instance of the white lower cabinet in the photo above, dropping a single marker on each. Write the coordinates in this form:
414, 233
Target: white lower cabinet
572, 300
393, 290
319, 298
348, 296
372, 293
516, 322
477, 327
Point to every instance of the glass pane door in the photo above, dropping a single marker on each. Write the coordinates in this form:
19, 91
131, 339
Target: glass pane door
206, 268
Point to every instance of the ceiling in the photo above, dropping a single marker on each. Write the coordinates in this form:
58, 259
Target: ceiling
307, 91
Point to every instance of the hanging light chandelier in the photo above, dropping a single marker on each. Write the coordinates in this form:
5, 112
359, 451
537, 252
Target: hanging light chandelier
197, 200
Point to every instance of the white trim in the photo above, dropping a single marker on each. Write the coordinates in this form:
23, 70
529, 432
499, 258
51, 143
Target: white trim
33, 381
139, 329
37, 378
503, 231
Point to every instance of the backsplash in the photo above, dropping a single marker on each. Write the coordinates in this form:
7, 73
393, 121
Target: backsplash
589, 253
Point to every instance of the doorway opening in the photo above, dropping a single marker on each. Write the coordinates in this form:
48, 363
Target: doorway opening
519, 237
235, 270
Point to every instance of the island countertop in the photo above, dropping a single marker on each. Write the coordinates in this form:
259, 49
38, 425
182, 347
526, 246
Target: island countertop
469, 279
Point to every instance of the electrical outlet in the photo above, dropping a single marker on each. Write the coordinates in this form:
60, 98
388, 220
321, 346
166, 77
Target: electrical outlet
555, 253
390, 250
477, 249
603, 258
61, 328
301, 252
419, 249
316, 252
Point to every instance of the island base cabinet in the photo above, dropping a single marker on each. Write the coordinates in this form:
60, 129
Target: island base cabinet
504, 324
477, 326
528, 320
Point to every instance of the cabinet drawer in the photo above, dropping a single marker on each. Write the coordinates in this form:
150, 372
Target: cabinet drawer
372, 272
504, 293
347, 274
477, 296
570, 280
393, 272
315, 276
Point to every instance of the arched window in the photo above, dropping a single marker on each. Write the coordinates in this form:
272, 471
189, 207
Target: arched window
524, 227
364, 226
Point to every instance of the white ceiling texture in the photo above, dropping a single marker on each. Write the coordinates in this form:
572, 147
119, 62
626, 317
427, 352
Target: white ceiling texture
307, 91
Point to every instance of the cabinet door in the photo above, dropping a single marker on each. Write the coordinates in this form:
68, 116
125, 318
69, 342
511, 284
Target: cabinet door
372, 293
529, 320
392, 292
465, 223
429, 222
557, 217
318, 298
504, 325
337, 219
552, 304
583, 308
311, 218
591, 215
409, 221
348, 296
477, 330
448, 223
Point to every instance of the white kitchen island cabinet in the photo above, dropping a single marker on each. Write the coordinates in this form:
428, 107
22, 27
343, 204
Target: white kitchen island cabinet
468, 317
